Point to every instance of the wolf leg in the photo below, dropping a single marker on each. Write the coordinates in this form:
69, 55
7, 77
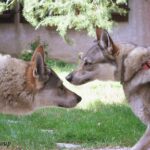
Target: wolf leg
144, 142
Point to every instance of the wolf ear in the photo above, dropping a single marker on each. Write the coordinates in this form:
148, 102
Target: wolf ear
39, 68
38, 61
106, 42
40, 50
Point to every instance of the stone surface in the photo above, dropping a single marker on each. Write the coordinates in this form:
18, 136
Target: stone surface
67, 146
110, 148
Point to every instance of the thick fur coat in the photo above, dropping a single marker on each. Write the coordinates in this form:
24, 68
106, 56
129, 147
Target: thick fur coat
14, 95
26, 86
131, 66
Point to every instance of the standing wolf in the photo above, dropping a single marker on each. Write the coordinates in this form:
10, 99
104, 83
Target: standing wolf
126, 63
26, 86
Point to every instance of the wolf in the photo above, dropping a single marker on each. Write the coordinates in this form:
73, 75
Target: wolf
124, 62
27, 86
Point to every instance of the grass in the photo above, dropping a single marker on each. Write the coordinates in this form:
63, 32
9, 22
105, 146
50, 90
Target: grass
103, 118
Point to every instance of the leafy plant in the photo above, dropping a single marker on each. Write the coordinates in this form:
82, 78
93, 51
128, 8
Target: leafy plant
58, 65
6, 5
27, 54
77, 14
68, 14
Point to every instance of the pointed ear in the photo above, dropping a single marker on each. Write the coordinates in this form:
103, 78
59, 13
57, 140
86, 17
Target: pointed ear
40, 50
98, 33
106, 42
39, 67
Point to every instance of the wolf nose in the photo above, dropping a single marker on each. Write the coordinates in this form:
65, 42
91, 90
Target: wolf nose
79, 99
69, 77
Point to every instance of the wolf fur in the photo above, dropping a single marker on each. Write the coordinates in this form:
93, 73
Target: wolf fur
128, 60
26, 86
13, 93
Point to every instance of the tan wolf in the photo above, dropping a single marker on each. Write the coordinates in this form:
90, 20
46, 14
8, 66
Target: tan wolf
26, 86
123, 62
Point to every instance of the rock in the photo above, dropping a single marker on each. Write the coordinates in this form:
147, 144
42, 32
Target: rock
67, 146
108, 148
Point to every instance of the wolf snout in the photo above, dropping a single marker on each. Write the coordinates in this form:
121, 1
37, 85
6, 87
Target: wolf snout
78, 98
69, 77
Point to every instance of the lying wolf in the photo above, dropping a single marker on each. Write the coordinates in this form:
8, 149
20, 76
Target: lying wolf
126, 63
26, 86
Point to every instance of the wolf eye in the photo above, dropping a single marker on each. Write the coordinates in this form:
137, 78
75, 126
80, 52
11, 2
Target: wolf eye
61, 89
87, 63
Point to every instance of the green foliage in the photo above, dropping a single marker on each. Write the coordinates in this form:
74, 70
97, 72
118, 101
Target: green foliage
56, 64
6, 5
27, 54
35, 44
60, 66
77, 14
67, 14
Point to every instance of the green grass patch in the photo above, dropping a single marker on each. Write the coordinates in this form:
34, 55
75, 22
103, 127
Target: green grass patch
60, 66
107, 125
103, 118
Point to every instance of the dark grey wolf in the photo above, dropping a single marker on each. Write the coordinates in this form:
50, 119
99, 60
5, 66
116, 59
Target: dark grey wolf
26, 86
124, 62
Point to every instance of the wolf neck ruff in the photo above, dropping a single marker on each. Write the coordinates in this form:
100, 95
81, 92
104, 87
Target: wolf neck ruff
145, 66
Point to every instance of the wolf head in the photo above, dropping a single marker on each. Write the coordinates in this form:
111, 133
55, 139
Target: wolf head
47, 87
98, 62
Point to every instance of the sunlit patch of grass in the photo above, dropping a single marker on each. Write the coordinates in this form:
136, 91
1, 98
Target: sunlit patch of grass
107, 92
